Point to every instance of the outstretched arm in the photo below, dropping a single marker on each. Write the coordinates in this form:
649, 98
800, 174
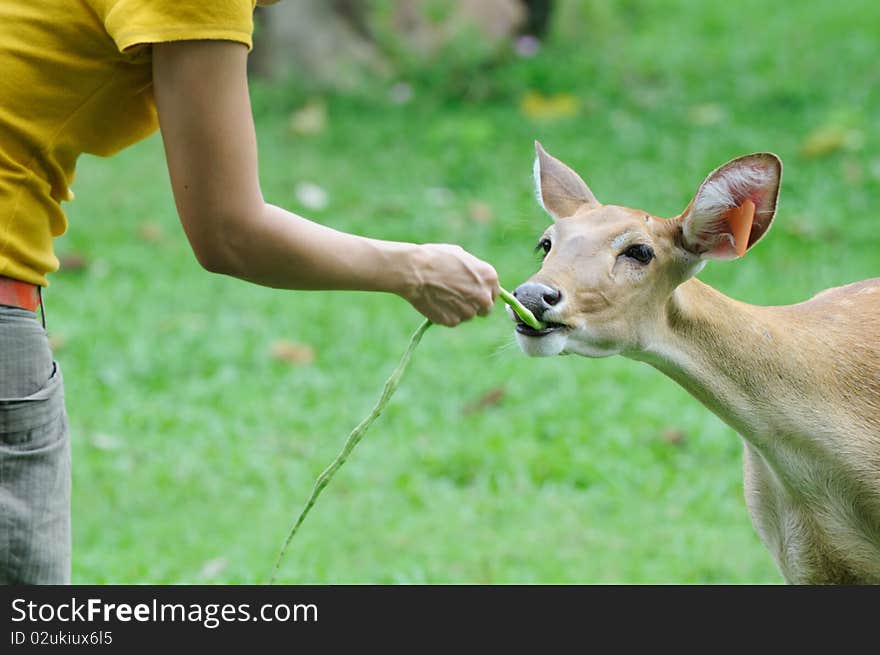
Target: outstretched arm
210, 145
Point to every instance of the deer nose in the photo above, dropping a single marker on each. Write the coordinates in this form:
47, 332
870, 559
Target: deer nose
537, 297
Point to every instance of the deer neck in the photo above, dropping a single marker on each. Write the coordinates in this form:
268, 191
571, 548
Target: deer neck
737, 359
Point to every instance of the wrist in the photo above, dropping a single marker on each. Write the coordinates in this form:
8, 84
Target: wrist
407, 262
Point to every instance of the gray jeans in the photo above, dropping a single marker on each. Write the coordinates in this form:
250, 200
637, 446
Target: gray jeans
34, 456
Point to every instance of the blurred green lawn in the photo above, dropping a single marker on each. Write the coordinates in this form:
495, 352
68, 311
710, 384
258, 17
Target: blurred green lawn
194, 448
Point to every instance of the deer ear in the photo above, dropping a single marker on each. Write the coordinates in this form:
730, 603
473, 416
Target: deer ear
560, 190
733, 208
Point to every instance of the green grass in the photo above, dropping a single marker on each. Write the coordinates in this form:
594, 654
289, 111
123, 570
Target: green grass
194, 449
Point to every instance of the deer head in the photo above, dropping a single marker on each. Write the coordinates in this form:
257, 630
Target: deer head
609, 271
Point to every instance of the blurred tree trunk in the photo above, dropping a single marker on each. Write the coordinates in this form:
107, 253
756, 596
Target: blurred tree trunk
426, 28
354, 12
328, 43
331, 43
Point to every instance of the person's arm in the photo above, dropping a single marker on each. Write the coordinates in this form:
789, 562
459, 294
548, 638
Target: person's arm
207, 127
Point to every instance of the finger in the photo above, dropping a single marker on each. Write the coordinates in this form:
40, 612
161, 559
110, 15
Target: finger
461, 311
494, 285
445, 317
487, 306
484, 303
469, 312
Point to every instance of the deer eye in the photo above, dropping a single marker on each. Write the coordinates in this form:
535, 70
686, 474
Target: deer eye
640, 252
545, 245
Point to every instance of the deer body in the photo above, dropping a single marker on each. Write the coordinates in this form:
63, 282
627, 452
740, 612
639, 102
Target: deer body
792, 382
799, 383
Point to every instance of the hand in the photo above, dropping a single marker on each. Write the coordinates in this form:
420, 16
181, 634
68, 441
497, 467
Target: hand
452, 285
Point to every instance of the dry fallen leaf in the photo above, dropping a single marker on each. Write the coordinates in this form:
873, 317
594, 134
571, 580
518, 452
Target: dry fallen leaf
151, 231
537, 106
708, 113
73, 261
57, 342
673, 436
292, 353
310, 119
480, 212
828, 139
489, 399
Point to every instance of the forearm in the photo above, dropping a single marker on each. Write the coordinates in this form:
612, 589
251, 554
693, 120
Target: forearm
204, 111
278, 248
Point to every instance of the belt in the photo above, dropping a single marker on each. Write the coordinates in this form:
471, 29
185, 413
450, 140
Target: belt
16, 293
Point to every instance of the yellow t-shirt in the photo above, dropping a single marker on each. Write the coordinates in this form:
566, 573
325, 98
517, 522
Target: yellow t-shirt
75, 77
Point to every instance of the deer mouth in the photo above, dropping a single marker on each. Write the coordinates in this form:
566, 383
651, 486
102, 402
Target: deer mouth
528, 331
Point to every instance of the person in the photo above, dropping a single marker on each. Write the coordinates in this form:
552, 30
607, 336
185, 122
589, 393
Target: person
94, 77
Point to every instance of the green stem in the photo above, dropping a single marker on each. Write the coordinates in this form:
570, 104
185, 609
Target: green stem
355, 436
521, 310
324, 479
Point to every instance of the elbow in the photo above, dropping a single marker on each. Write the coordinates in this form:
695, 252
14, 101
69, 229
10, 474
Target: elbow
218, 253
222, 238
212, 259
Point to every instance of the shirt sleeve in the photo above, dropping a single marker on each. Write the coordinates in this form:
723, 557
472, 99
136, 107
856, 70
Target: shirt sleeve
138, 22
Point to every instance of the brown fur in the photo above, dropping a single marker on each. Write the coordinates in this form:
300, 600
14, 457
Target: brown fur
800, 383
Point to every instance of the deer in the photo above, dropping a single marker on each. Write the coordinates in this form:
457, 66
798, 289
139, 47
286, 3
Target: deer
799, 383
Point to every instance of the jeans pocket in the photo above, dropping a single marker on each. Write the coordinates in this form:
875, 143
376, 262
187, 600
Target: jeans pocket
35, 487
22, 419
